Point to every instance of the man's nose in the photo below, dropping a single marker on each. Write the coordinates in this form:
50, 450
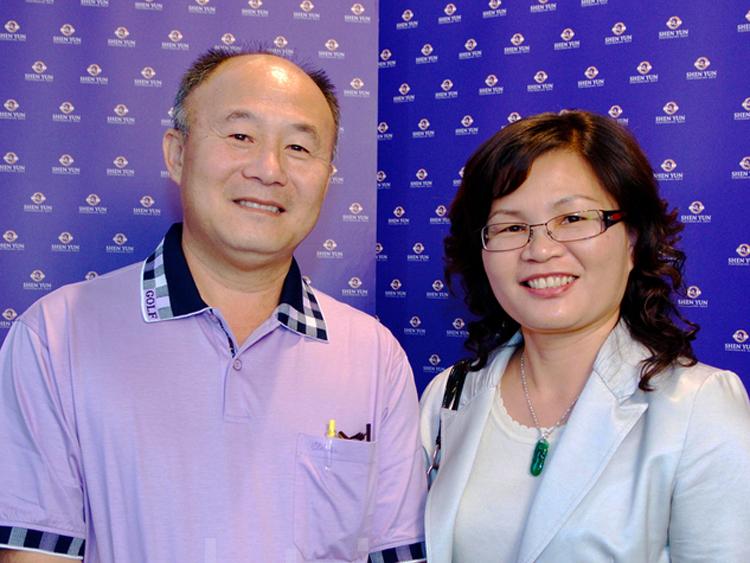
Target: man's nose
266, 164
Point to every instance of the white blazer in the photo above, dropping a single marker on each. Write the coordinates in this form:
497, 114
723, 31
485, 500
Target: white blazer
634, 477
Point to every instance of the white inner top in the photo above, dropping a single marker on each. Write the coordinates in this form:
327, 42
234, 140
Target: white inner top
493, 510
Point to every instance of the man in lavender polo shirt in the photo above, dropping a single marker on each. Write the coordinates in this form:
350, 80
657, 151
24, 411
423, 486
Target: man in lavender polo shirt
178, 410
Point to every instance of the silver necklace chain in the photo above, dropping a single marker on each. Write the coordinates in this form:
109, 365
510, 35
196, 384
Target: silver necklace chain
543, 433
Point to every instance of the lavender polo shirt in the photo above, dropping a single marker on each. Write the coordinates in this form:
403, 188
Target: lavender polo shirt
134, 428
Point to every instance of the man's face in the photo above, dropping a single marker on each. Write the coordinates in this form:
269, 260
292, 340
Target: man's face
254, 168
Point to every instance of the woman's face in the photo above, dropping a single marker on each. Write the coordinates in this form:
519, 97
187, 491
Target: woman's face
554, 287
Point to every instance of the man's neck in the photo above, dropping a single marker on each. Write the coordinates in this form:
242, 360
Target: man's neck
246, 296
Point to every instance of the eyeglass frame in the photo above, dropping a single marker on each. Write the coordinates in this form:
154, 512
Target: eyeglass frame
607, 219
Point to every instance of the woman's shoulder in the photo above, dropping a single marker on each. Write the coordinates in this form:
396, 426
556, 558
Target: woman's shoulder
705, 394
696, 380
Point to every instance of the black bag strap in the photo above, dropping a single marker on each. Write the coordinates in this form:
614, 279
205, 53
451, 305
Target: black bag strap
451, 398
455, 385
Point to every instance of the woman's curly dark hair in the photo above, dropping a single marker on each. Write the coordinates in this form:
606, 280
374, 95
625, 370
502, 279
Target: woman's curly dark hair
502, 164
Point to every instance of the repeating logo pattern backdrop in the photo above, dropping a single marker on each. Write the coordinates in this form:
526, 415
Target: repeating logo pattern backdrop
451, 74
86, 96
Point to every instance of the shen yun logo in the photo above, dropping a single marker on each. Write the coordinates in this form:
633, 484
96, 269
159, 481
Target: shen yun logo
147, 208
414, 328
540, 83
743, 256
12, 165
618, 37
404, 94
434, 364
396, 289
120, 246
674, 30
386, 59
407, 20
355, 288
450, 15
740, 342
329, 251
92, 206
202, 8
644, 76
438, 291
471, 51
591, 81
357, 14
37, 282
542, 6
567, 42
7, 317
399, 217
671, 114
422, 179
446, 90
458, 329
255, 9
37, 204
149, 79
418, 253
495, 10
10, 242
306, 12
39, 73
67, 36
517, 47
693, 298
65, 244
702, 72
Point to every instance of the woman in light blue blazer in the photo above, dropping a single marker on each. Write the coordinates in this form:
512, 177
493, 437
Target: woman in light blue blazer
585, 430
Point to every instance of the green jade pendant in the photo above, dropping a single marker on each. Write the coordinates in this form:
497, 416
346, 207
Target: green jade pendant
540, 454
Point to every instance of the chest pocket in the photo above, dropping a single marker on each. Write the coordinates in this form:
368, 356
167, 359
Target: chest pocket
333, 497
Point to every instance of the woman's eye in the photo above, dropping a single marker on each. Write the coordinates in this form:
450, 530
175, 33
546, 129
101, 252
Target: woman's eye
514, 229
572, 219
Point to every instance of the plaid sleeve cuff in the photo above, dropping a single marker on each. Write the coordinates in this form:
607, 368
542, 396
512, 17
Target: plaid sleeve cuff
401, 554
26, 539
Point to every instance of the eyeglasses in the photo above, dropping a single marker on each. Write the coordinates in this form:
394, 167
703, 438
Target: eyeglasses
578, 225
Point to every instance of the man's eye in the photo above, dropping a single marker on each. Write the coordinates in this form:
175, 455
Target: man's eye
298, 148
240, 137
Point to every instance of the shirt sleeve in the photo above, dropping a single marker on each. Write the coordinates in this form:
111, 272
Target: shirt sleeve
398, 520
711, 499
41, 497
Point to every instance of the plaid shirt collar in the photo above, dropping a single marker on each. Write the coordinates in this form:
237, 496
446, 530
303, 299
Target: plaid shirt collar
168, 291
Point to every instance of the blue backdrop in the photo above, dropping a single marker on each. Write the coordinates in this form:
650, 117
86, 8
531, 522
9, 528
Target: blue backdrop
87, 92
451, 74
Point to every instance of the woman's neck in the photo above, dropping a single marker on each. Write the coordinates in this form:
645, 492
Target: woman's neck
559, 364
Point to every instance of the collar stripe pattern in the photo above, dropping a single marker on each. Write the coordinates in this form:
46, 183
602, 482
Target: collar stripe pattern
155, 300
298, 309
309, 321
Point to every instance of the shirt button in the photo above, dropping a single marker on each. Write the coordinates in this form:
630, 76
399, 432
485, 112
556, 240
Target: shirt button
237, 364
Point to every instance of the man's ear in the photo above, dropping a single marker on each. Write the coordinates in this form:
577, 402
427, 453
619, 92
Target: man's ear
173, 147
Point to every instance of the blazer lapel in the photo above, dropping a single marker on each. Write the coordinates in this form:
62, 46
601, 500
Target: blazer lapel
461, 433
605, 413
